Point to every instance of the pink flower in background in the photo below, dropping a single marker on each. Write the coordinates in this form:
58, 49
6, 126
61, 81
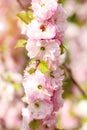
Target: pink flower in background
83, 39
80, 109
82, 13
81, 68
84, 127
10, 114
78, 51
44, 9
40, 30
68, 121
10, 104
13, 115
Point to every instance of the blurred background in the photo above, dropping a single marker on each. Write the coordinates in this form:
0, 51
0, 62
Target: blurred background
73, 115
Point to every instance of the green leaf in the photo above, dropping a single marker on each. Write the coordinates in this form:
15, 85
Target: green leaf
74, 19
34, 124
43, 67
84, 85
31, 71
84, 120
67, 87
32, 60
72, 114
17, 86
9, 79
63, 48
26, 17
21, 43
3, 48
30, 7
59, 1
58, 125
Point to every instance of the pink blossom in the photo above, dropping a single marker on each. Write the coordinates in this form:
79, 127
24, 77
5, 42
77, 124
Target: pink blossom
40, 109
50, 121
43, 49
35, 85
46, 123
48, 82
57, 99
40, 30
52, 80
44, 9
60, 21
26, 119
32, 88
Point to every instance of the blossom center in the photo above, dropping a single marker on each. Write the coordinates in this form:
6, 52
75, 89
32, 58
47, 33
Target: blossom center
42, 48
46, 127
42, 4
42, 27
39, 86
51, 74
36, 105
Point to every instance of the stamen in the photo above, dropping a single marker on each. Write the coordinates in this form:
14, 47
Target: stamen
42, 4
51, 74
36, 105
42, 48
39, 86
42, 27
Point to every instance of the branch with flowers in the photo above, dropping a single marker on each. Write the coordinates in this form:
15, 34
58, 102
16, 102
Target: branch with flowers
43, 77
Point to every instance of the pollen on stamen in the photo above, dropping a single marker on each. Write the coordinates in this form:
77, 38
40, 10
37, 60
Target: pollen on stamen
42, 27
51, 74
36, 105
42, 48
39, 86
42, 4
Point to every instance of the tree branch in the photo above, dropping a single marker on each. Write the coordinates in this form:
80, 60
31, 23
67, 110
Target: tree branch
74, 81
21, 5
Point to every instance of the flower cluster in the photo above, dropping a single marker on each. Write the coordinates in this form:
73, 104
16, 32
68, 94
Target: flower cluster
43, 76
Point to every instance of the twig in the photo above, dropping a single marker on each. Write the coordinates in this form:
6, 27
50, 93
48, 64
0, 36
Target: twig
21, 5
59, 129
74, 81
